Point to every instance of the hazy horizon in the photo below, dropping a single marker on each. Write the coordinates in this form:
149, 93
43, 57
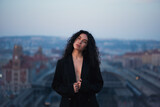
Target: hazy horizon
67, 37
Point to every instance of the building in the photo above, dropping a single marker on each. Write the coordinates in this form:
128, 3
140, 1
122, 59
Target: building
146, 58
151, 57
21, 70
132, 60
15, 74
138, 59
155, 58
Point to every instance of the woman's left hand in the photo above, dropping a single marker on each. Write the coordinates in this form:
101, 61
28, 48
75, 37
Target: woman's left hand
79, 83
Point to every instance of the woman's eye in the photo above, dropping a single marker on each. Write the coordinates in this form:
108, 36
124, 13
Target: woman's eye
84, 42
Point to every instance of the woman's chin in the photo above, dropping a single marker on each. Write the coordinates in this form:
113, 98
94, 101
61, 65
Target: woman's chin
78, 49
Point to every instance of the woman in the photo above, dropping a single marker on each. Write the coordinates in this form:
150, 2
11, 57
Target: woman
77, 76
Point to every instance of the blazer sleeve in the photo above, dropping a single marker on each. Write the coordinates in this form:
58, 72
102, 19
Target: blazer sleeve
94, 84
58, 84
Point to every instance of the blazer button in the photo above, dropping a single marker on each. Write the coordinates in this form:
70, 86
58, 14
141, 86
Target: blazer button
88, 99
69, 98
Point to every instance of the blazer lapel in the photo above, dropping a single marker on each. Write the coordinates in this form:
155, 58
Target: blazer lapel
72, 70
84, 71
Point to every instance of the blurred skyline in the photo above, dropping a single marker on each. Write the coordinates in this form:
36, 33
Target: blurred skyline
110, 19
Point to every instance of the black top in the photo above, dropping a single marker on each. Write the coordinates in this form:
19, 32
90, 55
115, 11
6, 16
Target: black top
64, 78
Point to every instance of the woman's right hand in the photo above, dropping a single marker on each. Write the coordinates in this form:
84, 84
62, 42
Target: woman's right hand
75, 87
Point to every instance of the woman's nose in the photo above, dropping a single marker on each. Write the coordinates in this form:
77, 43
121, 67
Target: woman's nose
80, 41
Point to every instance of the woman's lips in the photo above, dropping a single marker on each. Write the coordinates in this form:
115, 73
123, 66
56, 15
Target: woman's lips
78, 45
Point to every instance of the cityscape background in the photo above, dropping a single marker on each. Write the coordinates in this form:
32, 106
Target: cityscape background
34, 33
130, 70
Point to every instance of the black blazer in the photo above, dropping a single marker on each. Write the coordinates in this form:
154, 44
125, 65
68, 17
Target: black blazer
64, 78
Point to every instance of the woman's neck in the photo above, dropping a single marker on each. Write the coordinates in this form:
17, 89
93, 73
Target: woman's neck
77, 54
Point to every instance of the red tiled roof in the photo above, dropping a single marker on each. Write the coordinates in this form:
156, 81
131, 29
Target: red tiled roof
40, 58
27, 61
156, 51
149, 52
8, 65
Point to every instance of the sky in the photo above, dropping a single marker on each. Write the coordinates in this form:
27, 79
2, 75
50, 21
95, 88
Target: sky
105, 19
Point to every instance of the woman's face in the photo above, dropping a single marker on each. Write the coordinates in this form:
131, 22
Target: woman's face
81, 42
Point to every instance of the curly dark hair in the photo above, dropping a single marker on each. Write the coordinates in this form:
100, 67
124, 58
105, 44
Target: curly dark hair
90, 52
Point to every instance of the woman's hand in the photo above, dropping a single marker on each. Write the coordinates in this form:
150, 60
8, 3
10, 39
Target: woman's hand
79, 83
77, 86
